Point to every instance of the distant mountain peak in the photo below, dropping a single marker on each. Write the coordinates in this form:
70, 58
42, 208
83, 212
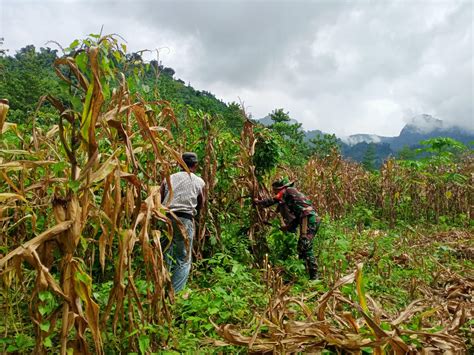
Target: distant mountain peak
418, 125
418, 128
423, 124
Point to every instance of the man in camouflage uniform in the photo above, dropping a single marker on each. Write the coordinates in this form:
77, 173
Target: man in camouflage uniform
296, 210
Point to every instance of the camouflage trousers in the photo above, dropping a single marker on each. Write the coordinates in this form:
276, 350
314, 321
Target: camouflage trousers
308, 229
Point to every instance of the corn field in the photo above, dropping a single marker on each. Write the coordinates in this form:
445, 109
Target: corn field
81, 206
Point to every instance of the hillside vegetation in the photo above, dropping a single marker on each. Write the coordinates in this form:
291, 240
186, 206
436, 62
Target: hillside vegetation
90, 136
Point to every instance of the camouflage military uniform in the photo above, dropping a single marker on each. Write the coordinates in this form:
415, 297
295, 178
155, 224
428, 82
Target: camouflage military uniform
297, 210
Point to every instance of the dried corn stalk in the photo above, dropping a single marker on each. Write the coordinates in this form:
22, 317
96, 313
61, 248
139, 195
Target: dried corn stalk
95, 209
333, 321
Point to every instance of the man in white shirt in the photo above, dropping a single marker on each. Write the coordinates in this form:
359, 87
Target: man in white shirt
187, 197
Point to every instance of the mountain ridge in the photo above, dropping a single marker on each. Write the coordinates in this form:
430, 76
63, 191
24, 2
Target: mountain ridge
418, 128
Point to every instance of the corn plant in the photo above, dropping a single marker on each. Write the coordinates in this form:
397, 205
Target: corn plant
82, 198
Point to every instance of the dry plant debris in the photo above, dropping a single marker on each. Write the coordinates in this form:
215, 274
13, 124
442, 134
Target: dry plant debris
292, 324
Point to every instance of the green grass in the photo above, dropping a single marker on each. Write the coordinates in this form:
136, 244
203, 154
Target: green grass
227, 291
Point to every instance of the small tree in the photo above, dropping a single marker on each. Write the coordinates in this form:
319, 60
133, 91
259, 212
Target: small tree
279, 116
442, 149
406, 153
324, 144
293, 145
283, 126
234, 117
368, 161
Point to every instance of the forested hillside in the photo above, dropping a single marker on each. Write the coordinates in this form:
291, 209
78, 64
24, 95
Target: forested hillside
88, 135
29, 74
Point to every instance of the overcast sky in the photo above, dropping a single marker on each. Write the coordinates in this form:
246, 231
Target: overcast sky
343, 67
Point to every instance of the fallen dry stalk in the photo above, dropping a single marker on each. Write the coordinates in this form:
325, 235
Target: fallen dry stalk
348, 328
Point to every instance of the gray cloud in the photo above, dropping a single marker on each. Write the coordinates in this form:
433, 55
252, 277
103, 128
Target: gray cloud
339, 66
242, 42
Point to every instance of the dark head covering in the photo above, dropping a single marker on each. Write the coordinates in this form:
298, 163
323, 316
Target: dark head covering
190, 158
281, 183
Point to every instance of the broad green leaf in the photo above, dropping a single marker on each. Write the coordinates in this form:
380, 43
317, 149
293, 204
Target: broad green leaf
45, 295
74, 44
47, 342
45, 326
144, 343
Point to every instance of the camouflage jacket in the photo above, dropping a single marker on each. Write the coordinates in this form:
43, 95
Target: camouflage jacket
295, 202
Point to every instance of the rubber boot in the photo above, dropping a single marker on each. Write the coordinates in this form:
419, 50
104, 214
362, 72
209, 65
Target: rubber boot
312, 269
313, 274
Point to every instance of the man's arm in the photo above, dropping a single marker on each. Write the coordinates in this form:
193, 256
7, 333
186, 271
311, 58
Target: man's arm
265, 202
163, 191
201, 199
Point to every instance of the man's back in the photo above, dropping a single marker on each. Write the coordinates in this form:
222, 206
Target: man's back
187, 187
297, 202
